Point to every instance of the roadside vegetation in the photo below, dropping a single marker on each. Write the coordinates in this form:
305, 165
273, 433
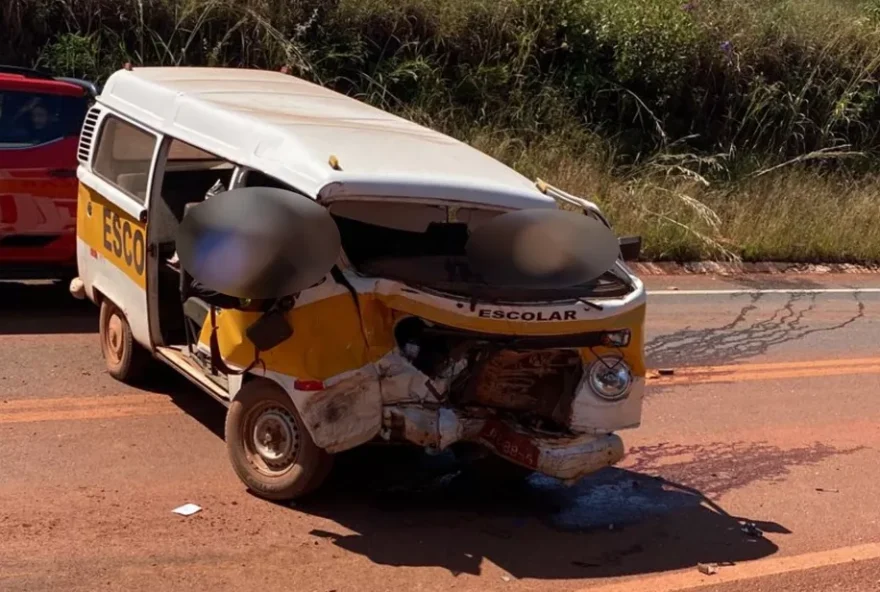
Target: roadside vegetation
719, 129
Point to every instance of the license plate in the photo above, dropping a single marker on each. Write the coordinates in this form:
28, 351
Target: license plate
510, 444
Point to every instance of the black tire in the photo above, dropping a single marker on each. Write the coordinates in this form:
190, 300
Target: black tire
125, 358
297, 466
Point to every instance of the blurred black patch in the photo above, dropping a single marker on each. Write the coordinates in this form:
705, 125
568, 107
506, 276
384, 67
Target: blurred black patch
542, 248
258, 242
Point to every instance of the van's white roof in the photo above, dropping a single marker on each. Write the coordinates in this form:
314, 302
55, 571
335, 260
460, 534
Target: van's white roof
289, 128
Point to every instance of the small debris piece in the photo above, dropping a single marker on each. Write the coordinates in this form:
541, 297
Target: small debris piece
666, 371
505, 578
187, 509
707, 569
751, 529
673, 288
823, 490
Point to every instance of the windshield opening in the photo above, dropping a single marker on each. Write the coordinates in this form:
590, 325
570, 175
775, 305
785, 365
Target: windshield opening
424, 246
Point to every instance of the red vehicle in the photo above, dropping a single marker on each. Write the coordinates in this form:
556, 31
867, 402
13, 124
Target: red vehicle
40, 121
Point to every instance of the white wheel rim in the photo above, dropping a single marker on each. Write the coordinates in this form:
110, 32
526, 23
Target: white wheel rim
113, 338
274, 439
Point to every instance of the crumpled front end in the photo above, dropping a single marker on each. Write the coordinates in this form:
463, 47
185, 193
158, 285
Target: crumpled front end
544, 385
547, 395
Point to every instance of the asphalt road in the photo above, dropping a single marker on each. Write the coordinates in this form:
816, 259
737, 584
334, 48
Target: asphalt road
771, 418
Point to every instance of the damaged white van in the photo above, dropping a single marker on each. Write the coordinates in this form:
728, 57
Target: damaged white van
336, 276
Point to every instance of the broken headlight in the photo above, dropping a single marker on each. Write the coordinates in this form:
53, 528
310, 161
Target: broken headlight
610, 378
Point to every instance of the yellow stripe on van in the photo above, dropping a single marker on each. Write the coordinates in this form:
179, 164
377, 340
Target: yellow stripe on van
330, 339
566, 325
112, 233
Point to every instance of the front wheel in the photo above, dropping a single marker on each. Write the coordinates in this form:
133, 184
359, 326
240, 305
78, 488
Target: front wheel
269, 446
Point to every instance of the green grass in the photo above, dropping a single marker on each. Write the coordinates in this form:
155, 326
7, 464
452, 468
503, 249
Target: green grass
789, 214
714, 128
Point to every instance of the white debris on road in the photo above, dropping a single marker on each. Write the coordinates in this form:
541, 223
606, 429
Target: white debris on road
187, 509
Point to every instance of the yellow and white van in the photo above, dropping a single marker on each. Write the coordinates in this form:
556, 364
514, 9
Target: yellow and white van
392, 344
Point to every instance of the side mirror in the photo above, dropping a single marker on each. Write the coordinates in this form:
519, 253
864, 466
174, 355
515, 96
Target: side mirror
630, 247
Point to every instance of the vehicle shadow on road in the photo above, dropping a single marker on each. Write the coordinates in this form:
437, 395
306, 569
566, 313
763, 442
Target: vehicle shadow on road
44, 308
402, 509
162, 380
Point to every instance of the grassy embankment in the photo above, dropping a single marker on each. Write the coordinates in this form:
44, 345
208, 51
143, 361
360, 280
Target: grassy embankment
714, 128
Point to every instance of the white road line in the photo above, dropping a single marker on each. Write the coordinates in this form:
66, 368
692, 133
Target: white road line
691, 579
765, 291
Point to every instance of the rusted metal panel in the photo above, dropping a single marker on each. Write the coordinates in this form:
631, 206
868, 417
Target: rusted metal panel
535, 381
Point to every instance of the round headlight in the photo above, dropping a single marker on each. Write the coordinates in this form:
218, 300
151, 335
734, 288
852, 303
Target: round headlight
610, 378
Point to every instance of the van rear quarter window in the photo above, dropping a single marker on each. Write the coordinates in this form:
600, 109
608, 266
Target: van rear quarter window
30, 119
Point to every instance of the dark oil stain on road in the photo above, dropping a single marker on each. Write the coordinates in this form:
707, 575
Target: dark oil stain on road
716, 468
743, 337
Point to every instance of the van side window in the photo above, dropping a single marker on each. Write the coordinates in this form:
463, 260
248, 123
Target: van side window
258, 179
191, 174
124, 156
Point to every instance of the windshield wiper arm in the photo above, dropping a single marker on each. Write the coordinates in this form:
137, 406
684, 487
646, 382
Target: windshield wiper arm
591, 304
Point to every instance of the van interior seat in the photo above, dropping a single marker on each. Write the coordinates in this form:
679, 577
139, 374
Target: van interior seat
196, 310
134, 184
181, 188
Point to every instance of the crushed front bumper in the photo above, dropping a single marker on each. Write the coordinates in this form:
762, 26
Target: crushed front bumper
564, 457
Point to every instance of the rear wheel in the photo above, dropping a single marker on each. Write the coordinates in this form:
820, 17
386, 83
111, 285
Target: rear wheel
269, 446
125, 358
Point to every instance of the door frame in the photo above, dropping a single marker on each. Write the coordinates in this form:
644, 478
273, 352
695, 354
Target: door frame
110, 279
158, 235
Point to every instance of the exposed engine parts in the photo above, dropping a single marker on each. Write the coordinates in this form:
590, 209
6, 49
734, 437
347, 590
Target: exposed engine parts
508, 375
